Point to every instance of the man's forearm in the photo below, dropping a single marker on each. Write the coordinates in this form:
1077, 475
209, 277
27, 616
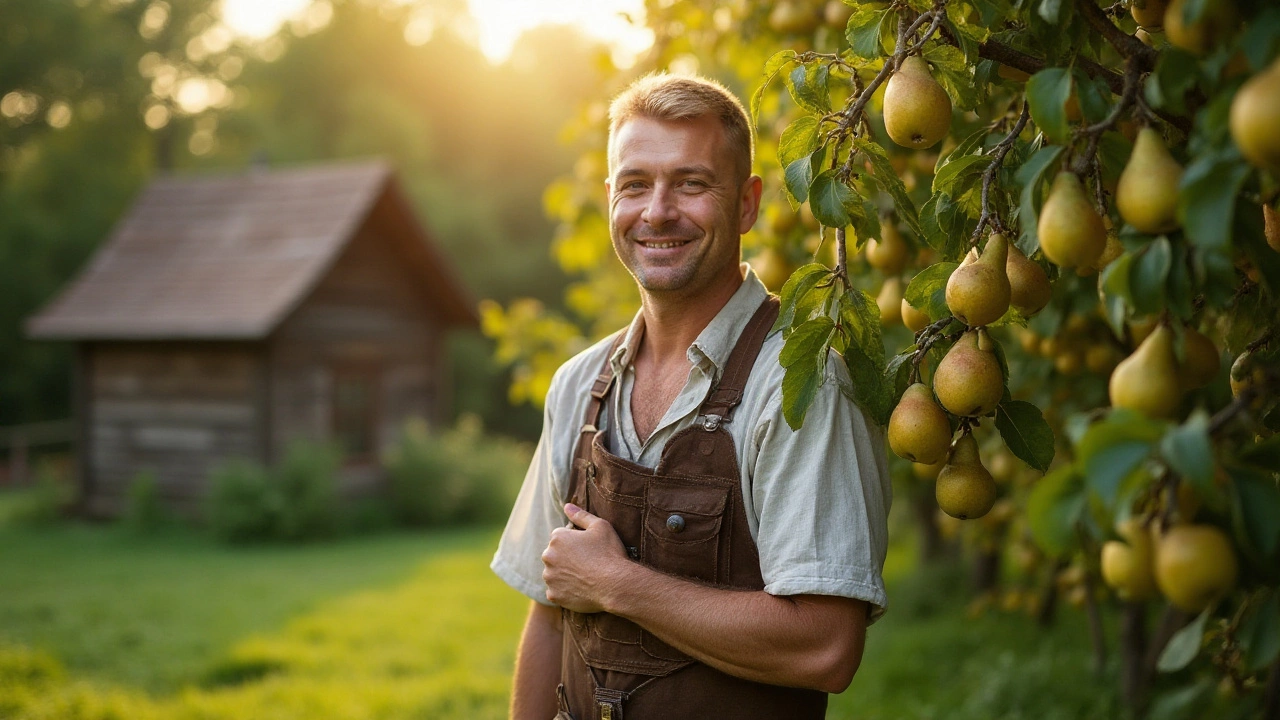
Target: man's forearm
537, 672
811, 641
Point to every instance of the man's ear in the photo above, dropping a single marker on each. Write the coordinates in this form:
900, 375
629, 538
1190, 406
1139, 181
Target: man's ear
752, 190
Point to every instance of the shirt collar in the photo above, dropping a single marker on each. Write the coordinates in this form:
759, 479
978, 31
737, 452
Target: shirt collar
716, 340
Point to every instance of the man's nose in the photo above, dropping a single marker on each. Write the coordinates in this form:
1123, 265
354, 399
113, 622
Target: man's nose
661, 208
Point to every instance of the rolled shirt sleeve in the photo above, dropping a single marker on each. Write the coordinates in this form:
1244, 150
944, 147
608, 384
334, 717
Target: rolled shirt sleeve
821, 497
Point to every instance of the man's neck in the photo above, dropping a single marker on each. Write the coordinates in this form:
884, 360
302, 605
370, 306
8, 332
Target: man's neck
673, 323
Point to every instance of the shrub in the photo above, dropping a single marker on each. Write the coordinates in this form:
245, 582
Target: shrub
457, 476
241, 504
295, 500
44, 501
144, 511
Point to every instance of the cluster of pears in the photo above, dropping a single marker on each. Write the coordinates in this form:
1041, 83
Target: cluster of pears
986, 285
801, 17
917, 110
1153, 380
1193, 565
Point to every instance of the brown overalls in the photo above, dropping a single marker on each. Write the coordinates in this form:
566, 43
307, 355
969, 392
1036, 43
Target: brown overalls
686, 518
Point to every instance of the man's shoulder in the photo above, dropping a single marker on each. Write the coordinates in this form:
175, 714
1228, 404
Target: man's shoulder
577, 373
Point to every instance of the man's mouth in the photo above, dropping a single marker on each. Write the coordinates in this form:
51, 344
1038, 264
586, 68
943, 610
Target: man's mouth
663, 244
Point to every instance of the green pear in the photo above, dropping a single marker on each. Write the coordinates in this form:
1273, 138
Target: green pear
965, 489
1029, 286
1217, 20
915, 320
889, 253
1072, 233
917, 111
968, 381
1148, 13
1147, 194
1147, 380
978, 292
1255, 115
890, 301
918, 429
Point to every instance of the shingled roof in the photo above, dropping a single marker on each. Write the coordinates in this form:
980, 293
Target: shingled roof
228, 257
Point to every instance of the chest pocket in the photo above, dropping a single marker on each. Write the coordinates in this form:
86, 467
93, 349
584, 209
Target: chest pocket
684, 528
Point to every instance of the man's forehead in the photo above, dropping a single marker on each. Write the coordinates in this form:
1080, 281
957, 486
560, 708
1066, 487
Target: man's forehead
647, 131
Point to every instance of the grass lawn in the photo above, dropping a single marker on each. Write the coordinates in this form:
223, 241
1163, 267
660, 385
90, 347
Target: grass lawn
98, 622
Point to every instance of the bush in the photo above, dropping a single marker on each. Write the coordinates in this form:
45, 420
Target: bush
144, 511
44, 501
241, 504
295, 500
455, 477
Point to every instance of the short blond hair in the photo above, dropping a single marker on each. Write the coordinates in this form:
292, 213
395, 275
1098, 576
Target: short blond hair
660, 96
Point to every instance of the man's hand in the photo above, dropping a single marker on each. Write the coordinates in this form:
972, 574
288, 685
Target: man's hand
582, 565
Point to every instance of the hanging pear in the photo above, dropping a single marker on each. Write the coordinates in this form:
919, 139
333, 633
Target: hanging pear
1029, 288
1147, 194
1071, 231
978, 292
917, 111
1201, 360
1147, 380
889, 253
1217, 20
1148, 13
1128, 565
890, 302
914, 319
968, 381
965, 489
1255, 115
918, 429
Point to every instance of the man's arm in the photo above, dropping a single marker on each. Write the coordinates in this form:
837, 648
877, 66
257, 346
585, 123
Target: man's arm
533, 692
810, 641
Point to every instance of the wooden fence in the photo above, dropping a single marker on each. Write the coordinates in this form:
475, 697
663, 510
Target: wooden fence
18, 440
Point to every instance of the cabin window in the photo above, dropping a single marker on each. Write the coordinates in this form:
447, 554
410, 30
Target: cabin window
355, 413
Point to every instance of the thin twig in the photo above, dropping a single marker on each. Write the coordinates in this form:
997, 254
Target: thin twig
1132, 81
989, 175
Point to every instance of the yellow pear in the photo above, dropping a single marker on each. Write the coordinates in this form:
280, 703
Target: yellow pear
1255, 116
772, 267
964, 489
917, 111
918, 429
1147, 380
978, 292
914, 319
889, 253
928, 473
1128, 565
1148, 13
1246, 372
890, 302
968, 381
790, 17
1201, 360
1195, 566
1147, 195
1100, 358
1112, 250
1217, 20
1072, 233
837, 14
1029, 286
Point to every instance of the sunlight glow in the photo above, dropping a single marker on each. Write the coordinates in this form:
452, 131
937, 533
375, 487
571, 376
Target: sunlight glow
501, 22
260, 18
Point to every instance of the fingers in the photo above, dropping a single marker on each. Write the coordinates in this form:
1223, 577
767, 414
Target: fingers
580, 517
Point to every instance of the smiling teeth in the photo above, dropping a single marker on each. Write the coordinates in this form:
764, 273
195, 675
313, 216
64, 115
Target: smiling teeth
664, 246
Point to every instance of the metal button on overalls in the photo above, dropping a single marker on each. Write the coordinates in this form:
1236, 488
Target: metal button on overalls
675, 523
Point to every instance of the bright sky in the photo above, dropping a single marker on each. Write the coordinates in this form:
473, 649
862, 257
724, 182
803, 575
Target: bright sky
500, 22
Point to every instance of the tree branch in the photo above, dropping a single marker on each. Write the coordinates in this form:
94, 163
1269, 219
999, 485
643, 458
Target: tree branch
989, 175
1129, 47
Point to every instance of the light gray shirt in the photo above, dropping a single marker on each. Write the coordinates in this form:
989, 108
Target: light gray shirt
816, 499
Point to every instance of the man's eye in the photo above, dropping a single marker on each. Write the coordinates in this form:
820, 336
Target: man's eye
694, 183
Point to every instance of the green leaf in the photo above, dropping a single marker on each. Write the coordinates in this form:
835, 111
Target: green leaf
1258, 41
1047, 93
1260, 632
1207, 197
1175, 74
950, 174
884, 173
808, 87
1115, 447
1050, 11
828, 196
1026, 433
1054, 506
1030, 177
797, 287
799, 176
799, 140
1264, 455
863, 32
775, 64
1256, 508
800, 385
944, 226
1117, 296
1187, 450
1184, 645
1185, 703
869, 390
1148, 276
860, 317
954, 75
806, 340
927, 291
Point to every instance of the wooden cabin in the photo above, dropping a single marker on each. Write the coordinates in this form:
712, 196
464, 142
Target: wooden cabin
227, 315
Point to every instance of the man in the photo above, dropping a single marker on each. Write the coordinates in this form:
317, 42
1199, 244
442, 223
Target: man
688, 554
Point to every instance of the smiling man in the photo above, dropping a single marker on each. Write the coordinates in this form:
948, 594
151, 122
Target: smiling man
689, 555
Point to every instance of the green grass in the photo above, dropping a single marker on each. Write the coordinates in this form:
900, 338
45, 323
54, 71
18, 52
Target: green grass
99, 622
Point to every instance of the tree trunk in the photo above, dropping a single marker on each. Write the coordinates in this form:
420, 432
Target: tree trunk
1133, 655
1049, 601
1271, 696
986, 571
1096, 635
932, 545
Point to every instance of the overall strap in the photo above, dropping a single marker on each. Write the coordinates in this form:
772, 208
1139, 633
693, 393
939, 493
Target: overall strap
719, 405
601, 387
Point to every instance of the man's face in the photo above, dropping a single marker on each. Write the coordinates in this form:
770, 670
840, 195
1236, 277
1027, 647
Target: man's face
677, 206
